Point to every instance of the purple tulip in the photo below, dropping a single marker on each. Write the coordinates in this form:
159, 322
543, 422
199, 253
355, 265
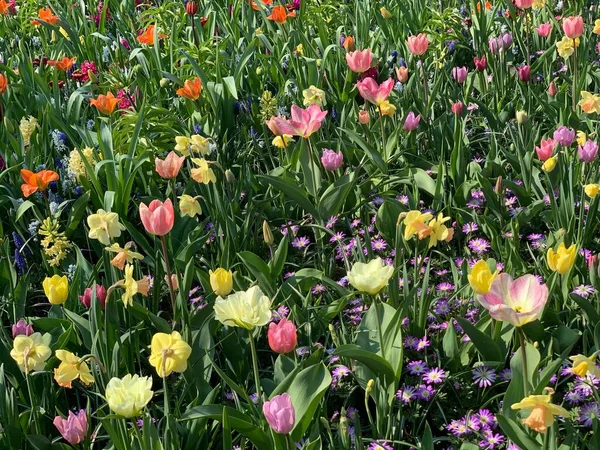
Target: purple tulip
332, 160
564, 136
74, 428
411, 122
507, 40
280, 413
588, 152
459, 74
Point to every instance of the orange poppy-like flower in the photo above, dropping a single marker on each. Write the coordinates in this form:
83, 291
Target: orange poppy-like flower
147, 37
264, 2
63, 64
3, 82
46, 15
191, 89
35, 182
4, 7
279, 14
106, 104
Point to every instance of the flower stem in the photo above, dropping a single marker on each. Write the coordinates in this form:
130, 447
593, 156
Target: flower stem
379, 326
163, 241
524, 356
255, 369
574, 77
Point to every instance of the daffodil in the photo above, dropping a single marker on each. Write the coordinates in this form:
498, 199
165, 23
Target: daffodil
203, 173
566, 46
104, 226
124, 254
582, 365
189, 206
439, 231
31, 352
313, 96
282, 141
169, 353
581, 136
591, 190
589, 103
541, 412
70, 369
132, 287
481, 277
415, 222
387, 109
193, 144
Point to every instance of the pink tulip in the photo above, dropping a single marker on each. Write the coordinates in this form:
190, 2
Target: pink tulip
21, 327
417, 45
552, 91
170, 166
523, 4
280, 413
544, 29
524, 73
360, 60
573, 27
564, 136
373, 92
272, 125
363, 117
74, 428
332, 160
282, 336
402, 74
588, 152
411, 122
480, 63
457, 108
304, 122
517, 302
86, 298
544, 151
158, 217
459, 74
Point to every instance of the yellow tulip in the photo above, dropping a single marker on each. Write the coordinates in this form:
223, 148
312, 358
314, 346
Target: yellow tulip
56, 289
415, 222
541, 412
221, 281
582, 365
245, 309
481, 277
370, 277
127, 396
562, 259
591, 190
31, 352
189, 206
169, 353
550, 164
71, 368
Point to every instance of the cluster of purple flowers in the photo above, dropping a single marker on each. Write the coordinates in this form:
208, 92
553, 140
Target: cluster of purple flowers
481, 425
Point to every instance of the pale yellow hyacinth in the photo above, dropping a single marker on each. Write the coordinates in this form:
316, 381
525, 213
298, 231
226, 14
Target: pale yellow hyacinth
31, 352
245, 309
127, 396
169, 353
370, 277
104, 226
481, 277
70, 369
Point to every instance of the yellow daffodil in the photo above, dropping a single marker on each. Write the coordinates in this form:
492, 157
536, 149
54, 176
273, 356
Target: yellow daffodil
541, 412
189, 206
589, 103
132, 287
562, 259
591, 190
439, 231
313, 96
370, 277
31, 352
481, 277
221, 281
104, 226
282, 141
124, 254
566, 46
582, 365
596, 29
387, 109
415, 222
56, 289
203, 173
169, 353
193, 144
127, 396
581, 137
71, 367
245, 309
550, 164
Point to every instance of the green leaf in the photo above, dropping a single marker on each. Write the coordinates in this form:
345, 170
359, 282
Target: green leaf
293, 192
449, 343
372, 360
230, 85
371, 152
387, 217
427, 439
76, 213
22, 209
588, 308
260, 270
333, 198
516, 433
484, 344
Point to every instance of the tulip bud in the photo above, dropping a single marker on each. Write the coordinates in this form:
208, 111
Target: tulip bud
229, 176
349, 44
522, 117
457, 108
402, 74
552, 91
524, 73
498, 187
164, 82
259, 70
385, 13
191, 8
267, 233
363, 117
334, 336
370, 385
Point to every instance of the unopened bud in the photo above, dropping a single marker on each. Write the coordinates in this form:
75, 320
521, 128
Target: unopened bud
522, 117
164, 82
363, 117
552, 91
229, 176
385, 13
370, 385
191, 8
334, 335
498, 188
267, 233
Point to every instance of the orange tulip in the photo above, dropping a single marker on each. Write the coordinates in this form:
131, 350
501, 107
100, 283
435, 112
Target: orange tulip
147, 37
4, 7
46, 15
106, 104
3, 82
63, 64
35, 182
191, 89
169, 167
264, 2
279, 14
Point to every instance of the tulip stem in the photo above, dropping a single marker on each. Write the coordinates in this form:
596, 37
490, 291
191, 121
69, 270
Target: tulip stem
33, 417
138, 434
574, 77
383, 149
163, 241
425, 89
255, 369
524, 355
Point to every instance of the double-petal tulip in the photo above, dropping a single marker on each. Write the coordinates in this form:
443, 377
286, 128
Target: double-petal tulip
127, 396
564, 136
517, 302
169, 167
359, 61
370, 277
592, 189
158, 217
375, 93
36, 182
245, 309
304, 122
74, 427
562, 259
